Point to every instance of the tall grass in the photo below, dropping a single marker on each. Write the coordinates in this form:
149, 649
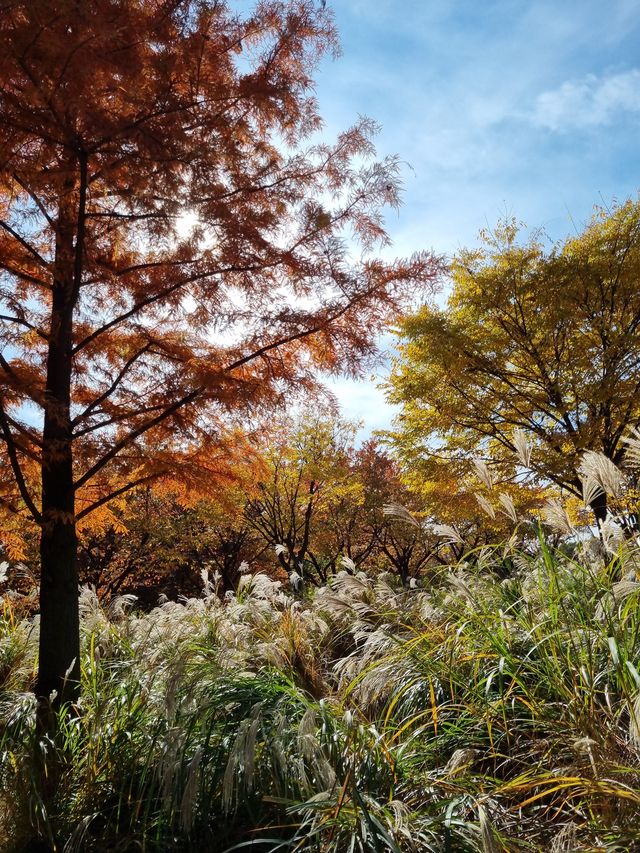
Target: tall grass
497, 710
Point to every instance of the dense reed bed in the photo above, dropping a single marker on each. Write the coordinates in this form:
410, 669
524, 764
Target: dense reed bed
496, 708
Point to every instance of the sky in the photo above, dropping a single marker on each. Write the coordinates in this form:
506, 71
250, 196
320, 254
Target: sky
505, 107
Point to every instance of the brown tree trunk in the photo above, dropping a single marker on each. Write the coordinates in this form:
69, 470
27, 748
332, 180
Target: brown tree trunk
59, 661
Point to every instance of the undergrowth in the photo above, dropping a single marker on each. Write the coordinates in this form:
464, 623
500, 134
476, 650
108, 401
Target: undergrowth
498, 710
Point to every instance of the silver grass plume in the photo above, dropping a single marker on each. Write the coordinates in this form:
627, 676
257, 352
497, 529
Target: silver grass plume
459, 583
322, 797
632, 454
401, 818
76, 841
307, 741
618, 593
484, 557
311, 750
461, 758
92, 615
396, 510
612, 534
634, 720
229, 778
521, 561
241, 757
483, 473
276, 744
324, 771
523, 447
631, 562
207, 586
511, 546
556, 517
634, 706
566, 841
448, 533
485, 505
487, 837
599, 474
348, 564
508, 507
169, 764
591, 489
190, 794
250, 752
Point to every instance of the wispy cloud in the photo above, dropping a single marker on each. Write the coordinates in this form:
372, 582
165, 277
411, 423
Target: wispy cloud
469, 95
589, 102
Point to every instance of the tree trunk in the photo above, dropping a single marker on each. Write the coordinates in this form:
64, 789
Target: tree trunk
59, 662
599, 508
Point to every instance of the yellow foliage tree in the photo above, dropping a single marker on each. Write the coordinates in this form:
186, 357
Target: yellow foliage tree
534, 359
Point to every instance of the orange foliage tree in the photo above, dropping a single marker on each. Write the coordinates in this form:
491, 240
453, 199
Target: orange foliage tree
126, 341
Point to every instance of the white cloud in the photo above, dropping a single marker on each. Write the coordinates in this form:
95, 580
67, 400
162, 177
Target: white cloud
589, 102
457, 88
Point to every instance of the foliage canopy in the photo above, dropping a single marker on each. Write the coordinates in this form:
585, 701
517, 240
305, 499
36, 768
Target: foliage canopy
535, 344
125, 345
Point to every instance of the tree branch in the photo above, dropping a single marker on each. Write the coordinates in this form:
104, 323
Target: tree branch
106, 394
297, 336
157, 297
18, 384
28, 433
22, 322
136, 433
196, 392
116, 493
5, 503
15, 466
34, 198
24, 244
115, 419
24, 275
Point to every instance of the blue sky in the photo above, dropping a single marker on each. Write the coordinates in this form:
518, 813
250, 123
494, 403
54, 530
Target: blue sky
524, 108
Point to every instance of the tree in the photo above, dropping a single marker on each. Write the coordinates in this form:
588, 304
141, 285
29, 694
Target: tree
533, 347
125, 342
159, 545
400, 547
307, 474
347, 531
320, 504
